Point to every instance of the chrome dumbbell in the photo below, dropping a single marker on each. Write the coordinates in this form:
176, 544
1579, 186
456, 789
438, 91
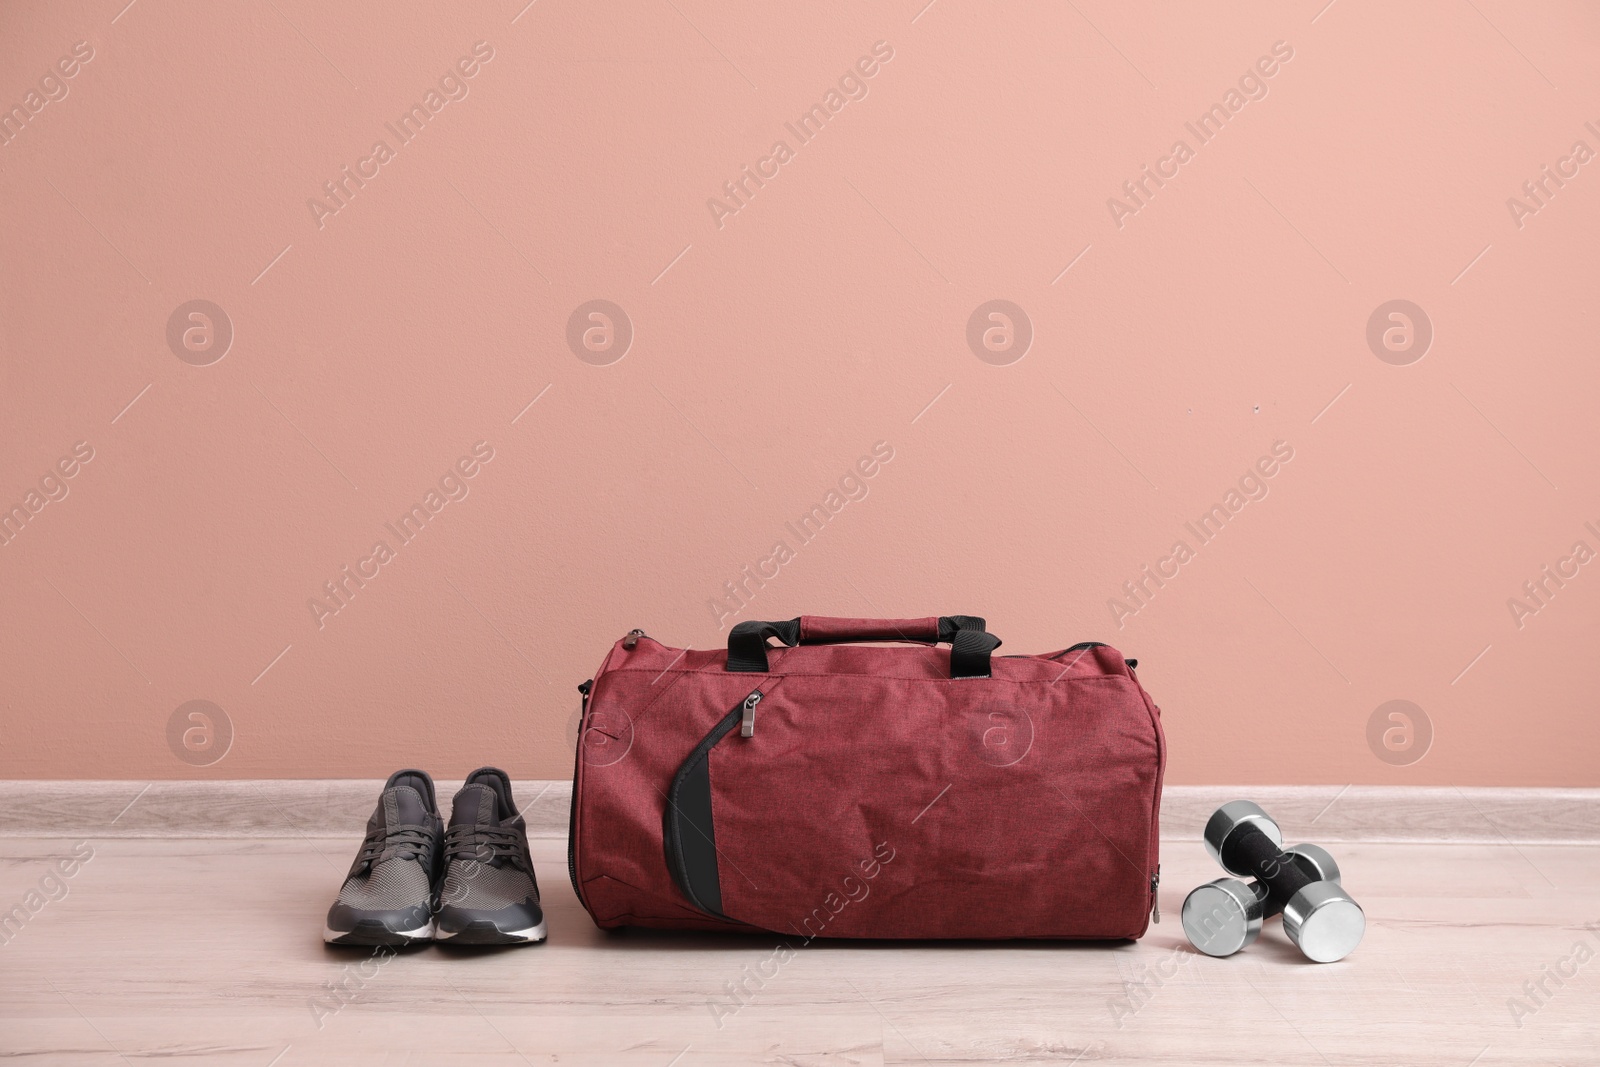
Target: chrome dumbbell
1224, 916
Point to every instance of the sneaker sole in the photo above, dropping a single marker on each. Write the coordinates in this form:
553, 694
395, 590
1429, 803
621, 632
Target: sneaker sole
375, 934
487, 933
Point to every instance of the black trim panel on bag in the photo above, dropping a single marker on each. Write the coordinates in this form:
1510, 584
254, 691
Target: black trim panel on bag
688, 835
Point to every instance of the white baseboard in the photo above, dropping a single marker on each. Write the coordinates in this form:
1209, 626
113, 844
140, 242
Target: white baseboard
340, 807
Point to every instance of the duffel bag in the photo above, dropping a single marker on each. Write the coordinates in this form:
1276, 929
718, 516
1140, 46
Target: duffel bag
828, 788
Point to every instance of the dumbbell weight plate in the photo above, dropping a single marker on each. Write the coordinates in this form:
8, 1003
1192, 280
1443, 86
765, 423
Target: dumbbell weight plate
1222, 917
1229, 818
1316, 861
1324, 922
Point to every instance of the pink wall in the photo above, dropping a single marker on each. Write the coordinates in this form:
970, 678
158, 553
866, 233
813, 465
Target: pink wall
1372, 153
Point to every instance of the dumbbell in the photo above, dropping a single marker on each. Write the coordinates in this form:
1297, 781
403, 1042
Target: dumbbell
1223, 916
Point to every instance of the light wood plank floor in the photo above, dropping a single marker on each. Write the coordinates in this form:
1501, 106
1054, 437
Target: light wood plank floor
208, 952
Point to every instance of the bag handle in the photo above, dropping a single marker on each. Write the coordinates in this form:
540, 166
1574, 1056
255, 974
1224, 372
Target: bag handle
970, 643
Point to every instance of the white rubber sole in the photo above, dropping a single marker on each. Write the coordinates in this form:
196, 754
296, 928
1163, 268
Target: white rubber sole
421, 933
529, 935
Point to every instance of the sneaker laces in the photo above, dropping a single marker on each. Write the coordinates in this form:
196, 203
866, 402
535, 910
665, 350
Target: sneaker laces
483, 843
404, 841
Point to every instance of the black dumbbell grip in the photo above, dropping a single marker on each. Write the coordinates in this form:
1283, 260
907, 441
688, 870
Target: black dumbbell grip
1250, 849
1271, 903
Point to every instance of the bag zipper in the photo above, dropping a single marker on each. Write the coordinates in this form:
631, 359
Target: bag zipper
1155, 878
1079, 647
747, 717
1133, 664
572, 810
632, 639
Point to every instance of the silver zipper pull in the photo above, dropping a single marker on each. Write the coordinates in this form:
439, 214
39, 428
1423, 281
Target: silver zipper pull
632, 639
1155, 896
747, 722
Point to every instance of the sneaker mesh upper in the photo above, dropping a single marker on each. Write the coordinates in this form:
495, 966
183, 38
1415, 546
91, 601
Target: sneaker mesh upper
393, 884
486, 884
470, 884
398, 877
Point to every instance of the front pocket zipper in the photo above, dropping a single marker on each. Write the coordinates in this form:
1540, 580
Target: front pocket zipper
747, 710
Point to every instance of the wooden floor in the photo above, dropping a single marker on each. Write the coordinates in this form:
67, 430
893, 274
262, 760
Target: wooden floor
209, 951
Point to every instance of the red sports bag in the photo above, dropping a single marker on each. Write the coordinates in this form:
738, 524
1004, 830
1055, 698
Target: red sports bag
831, 789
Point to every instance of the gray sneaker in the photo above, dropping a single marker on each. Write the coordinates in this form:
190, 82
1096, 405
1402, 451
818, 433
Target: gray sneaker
389, 896
490, 896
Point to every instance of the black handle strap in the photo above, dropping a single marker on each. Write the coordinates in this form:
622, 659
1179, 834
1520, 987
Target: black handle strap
969, 653
970, 644
747, 642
